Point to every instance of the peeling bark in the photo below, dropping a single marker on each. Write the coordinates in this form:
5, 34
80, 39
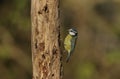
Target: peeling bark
45, 39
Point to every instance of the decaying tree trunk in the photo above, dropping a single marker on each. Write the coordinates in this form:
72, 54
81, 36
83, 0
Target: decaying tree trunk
45, 39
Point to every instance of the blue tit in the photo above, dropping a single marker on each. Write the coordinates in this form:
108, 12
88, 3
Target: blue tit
70, 42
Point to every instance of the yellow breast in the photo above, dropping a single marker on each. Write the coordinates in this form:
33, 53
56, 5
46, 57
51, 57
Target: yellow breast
67, 43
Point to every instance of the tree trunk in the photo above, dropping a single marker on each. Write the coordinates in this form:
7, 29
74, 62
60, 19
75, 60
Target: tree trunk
45, 39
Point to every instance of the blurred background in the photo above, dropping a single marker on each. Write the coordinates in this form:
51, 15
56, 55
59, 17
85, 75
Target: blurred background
97, 53
15, 51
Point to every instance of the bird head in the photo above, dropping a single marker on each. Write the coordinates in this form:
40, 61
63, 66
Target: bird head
73, 32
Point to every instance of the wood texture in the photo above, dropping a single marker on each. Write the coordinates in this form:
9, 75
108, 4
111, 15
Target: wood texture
45, 39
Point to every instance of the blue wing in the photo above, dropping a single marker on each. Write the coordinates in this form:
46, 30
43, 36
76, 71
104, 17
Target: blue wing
73, 43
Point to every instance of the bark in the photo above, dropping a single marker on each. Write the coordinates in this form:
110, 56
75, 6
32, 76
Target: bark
45, 39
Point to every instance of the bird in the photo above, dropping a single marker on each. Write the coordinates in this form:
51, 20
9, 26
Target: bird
70, 42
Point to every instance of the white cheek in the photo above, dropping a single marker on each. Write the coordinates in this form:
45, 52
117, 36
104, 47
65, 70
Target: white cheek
71, 33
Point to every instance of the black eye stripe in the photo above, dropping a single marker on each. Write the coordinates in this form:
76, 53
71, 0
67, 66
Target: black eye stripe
73, 31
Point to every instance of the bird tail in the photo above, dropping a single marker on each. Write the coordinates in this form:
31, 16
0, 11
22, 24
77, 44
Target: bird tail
68, 57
